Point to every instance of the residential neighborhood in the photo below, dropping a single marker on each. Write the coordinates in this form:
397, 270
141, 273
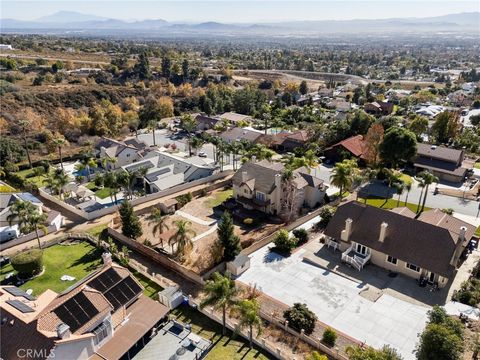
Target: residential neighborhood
274, 183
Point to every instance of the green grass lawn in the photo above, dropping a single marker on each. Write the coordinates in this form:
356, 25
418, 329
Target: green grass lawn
97, 230
76, 260
477, 232
390, 204
37, 180
217, 198
407, 179
225, 347
101, 193
477, 165
151, 288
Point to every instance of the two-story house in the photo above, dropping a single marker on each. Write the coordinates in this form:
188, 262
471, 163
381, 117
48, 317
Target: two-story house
259, 186
428, 247
443, 162
115, 154
104, 316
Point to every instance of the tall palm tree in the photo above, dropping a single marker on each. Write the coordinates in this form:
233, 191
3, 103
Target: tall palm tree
408, 187
60, 142
182, 237
421, 185
152, 126
111, 181
221, 293
28, 217
25, 125
126, 180
290, 191
159, 222
236, 147
194, 143
392, 177
51, 183
428, 179
249, 311
399, 189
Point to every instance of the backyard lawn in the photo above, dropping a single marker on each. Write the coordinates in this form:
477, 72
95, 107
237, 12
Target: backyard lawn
477, 165
37, 180
217, 198
225, 347
151, 288
101, 193
77, 260
390, 204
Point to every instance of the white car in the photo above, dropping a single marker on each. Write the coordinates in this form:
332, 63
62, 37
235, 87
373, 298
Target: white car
202, 154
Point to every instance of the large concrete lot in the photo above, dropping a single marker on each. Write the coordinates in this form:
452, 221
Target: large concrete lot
337, 301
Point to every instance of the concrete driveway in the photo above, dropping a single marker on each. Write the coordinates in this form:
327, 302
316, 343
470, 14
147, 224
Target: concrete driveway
337, 302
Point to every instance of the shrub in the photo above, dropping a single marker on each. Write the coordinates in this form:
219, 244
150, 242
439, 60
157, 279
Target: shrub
326, 214
248, 221
283, 242
329, 336
299, 317
301, 235
184, 199
28, 263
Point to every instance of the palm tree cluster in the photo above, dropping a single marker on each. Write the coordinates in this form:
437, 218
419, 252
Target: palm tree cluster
222, 294
56, 181
425, 179
343, 175
28, 217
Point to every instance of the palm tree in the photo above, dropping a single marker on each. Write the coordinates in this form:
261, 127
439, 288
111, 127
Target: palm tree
59, 142
152, 126
194, 143
392, 177
111, 181
408, 187
235, 148
126, 180
159, 222
289, 189
342, 175
250, 316
87, 162
399, 187
62, 179
221, 293
421, 185
428, 179
182, 236
25, 124
51, 183
28, 217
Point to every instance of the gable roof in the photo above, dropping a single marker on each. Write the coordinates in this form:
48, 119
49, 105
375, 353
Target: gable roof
428, 246
237, 134
438, 218
439, 152
354, 144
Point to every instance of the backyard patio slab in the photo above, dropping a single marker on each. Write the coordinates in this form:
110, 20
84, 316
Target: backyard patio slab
337, 302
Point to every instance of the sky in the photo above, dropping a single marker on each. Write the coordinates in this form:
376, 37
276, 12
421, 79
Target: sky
235, 11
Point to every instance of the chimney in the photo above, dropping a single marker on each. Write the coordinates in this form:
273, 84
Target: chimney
463, 231
383, 231
107, 259
345, 234
278, 181
244, 176
63, 331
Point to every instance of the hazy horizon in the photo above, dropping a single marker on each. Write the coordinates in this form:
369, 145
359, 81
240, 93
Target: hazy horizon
234, 11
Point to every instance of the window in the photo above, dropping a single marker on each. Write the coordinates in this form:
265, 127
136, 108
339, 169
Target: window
412, 267
101, 332
391, 260
361, 249
260, 196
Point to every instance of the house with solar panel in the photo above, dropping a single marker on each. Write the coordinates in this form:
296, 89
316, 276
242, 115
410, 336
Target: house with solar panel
103, 316
163, 170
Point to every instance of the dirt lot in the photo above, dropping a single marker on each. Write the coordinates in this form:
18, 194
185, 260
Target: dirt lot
472, 331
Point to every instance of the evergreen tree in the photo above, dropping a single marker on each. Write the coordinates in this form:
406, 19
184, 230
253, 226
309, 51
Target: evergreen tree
143, 67
185, 69
303, 87
227, 237
131, 226
166, 67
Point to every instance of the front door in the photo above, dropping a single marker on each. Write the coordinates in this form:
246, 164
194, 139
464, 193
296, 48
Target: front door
431, 278
361, 249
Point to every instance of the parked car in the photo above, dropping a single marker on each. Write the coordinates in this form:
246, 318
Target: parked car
202, 154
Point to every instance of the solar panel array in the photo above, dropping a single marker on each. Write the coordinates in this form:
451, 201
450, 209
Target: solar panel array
123, 292
105, 280
15, 291
76, 311
20, 306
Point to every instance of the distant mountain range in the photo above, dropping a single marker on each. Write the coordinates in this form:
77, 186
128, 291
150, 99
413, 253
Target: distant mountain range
73, 21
